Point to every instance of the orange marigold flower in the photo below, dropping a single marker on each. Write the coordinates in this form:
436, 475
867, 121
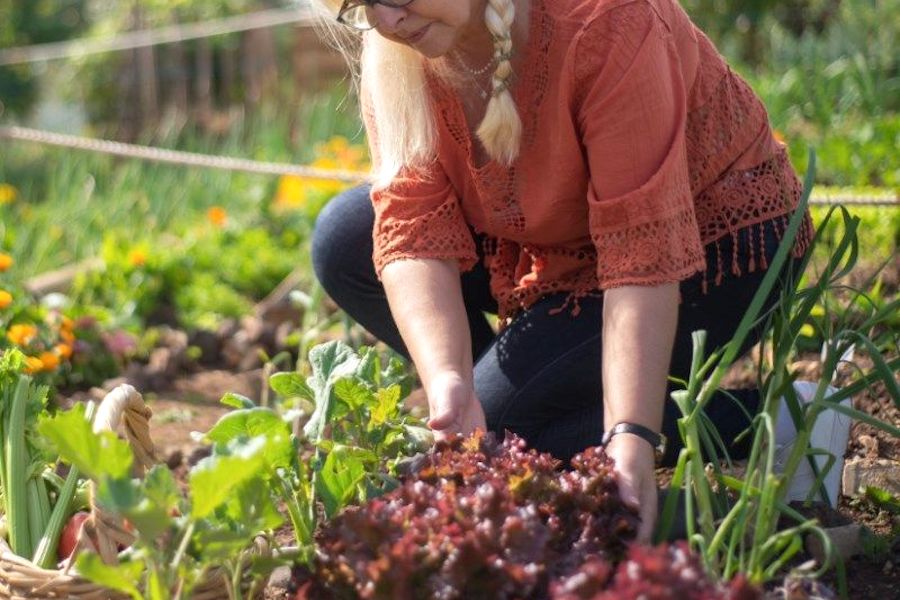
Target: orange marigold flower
67, 336
50, 360
5, 299
21, 335
66, 323
6, 261
33, 365
137, 258
217, 216
63, 351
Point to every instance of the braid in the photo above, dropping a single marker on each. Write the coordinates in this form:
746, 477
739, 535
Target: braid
501, 129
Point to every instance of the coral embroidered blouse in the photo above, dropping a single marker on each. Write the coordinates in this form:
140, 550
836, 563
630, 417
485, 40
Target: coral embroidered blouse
639, 147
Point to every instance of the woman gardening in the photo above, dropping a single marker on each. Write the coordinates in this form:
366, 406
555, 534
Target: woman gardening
589, 170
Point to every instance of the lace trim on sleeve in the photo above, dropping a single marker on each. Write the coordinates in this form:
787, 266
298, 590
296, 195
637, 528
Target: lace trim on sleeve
439, 233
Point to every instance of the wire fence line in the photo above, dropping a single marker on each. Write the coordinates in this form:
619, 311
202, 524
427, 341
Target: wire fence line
177, 157
153, 37
192, 159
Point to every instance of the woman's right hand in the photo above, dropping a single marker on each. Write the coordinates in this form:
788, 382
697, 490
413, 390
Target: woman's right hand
453, 406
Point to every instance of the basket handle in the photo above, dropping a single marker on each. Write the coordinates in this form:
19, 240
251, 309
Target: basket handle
104, 531
124, 405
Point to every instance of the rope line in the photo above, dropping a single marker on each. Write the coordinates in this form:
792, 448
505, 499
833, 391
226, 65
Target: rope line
177, 157
192, 159
152, 37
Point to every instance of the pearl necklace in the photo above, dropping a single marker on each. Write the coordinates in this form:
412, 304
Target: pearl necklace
477, 72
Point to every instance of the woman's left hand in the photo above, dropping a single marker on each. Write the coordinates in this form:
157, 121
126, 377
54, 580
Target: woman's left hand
636, 465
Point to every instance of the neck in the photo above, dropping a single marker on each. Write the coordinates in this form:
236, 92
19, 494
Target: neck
475, 46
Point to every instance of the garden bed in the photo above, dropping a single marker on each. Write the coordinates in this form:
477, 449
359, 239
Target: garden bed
191, 403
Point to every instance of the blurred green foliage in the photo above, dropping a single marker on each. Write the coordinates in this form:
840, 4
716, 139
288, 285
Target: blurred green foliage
27, 22
829, 74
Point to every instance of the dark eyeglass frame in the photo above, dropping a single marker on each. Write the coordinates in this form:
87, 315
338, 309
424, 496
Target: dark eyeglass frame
349, 5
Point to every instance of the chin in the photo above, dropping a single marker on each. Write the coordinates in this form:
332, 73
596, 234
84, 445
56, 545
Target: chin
433, 44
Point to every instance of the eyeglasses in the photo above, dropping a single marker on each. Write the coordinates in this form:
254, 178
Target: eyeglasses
358, 13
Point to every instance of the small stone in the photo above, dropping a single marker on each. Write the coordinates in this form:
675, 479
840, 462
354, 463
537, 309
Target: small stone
846, 542
870, 446
280, 579
860, 473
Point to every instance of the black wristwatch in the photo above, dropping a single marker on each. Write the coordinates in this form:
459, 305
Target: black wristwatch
657, 440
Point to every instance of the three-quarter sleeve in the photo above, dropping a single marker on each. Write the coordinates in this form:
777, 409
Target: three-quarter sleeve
418, 214
631, 108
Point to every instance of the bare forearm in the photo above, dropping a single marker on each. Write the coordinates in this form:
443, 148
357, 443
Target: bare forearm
426, 302
638, 331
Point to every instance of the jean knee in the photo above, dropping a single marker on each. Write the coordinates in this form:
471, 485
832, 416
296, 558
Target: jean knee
342, 235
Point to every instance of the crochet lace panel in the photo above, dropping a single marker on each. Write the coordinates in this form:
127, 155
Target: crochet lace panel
439, 233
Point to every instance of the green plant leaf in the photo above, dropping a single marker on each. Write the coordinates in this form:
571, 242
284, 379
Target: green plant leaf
97, 455
237, 401
330, 362
215, 478
343, 470
253, 422
119, 577
252, 506
147, 504
387, 405
883, 499
353, 392
289, 385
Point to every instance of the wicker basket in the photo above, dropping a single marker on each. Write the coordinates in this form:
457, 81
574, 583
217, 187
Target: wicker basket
20, 579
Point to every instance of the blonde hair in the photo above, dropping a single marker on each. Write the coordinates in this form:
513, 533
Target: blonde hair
391, 79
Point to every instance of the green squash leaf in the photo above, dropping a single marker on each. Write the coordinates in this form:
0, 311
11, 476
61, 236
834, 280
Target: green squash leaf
214, 479
237, 401
97, 455
121, 577
343, 470
289, 385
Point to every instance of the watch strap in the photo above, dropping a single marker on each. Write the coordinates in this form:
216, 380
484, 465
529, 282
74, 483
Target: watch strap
657, 440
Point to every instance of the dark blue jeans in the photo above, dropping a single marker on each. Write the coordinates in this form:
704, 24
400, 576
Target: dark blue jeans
541, 377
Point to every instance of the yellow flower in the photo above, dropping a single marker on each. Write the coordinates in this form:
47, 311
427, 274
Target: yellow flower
7, 193
6, 261
21, 335
49, 360
291, 193
63, 351
33, 365
807, 330
5, 299
217, 216
137, 258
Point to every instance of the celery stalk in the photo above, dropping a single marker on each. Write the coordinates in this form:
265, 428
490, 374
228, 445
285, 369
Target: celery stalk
16, 472
45, 552
35, 529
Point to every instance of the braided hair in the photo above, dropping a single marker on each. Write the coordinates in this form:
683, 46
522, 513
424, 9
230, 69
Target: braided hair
501, 129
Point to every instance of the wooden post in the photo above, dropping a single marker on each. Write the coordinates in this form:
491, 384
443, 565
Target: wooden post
203, 80
147, 82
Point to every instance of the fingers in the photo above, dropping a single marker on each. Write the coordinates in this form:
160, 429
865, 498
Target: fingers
443, 420
648, 518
